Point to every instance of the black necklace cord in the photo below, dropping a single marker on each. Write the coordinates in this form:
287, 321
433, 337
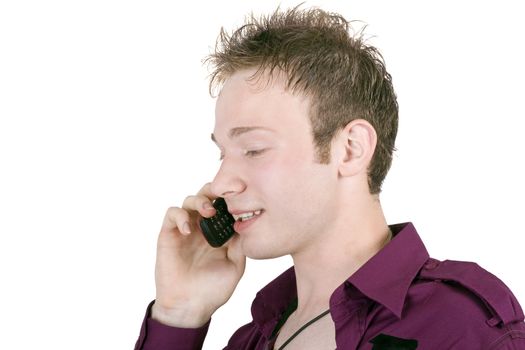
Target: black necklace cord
309, 323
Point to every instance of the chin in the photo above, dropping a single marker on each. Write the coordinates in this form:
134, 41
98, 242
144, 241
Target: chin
257, 250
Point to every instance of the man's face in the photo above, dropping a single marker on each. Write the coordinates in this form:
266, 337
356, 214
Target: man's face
268, 165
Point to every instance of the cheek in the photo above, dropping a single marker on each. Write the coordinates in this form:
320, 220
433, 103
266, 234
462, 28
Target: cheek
266, 178
280, 173
286, 182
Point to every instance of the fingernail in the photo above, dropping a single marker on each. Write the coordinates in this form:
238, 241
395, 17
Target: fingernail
207, 205
186, 228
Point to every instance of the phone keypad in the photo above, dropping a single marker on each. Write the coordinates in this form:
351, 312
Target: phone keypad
219, 228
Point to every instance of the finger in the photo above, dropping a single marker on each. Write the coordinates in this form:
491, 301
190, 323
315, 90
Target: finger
235, 253
177, 218
206, 191
199, 203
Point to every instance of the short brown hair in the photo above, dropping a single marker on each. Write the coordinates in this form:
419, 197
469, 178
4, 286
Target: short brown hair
345, 78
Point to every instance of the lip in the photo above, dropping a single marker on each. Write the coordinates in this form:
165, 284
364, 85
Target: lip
242, 226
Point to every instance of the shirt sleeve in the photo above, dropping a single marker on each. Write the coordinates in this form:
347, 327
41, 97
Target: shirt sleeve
157, 336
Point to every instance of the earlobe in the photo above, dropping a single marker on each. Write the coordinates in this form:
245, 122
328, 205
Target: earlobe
359, 141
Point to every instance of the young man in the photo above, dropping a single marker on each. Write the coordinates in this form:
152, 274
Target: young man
306, 121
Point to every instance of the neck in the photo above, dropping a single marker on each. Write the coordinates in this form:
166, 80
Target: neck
339, 251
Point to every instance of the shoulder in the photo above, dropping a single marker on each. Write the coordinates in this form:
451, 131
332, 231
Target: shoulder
475, 302
479, 284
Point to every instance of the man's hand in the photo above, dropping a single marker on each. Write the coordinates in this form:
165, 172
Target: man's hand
192, 278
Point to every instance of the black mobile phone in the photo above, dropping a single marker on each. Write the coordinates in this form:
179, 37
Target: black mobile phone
219, 228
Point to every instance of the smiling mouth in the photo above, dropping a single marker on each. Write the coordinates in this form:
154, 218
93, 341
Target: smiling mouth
248, 215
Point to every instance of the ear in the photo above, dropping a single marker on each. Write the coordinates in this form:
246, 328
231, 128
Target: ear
354, 147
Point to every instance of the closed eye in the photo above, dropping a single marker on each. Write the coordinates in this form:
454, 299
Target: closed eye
251, 153
254, 153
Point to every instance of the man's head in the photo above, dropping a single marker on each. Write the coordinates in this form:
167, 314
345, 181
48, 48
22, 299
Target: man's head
344, 78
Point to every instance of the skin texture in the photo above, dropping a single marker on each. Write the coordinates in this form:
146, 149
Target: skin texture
323, 215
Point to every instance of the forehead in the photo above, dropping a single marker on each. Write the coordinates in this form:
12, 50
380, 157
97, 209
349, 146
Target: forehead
259, 102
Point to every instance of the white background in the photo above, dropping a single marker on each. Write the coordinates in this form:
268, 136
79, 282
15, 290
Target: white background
105, 120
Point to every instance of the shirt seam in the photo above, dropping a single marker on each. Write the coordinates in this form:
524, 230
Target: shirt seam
508, 336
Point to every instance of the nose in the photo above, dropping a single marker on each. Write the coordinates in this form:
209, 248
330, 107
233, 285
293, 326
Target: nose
227, 181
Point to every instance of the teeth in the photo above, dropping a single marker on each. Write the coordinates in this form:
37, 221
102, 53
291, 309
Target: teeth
247, 215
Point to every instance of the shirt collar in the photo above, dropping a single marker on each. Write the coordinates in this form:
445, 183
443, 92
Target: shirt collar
387, 276
271, 301
384, 278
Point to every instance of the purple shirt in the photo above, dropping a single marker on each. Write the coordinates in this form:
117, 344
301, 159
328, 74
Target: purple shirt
399, 296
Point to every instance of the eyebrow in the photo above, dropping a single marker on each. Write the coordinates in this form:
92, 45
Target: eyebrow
238, 131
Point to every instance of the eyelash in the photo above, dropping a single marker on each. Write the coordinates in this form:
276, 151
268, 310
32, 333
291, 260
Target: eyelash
251, 154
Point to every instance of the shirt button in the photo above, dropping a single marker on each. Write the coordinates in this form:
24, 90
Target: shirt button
431, 264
